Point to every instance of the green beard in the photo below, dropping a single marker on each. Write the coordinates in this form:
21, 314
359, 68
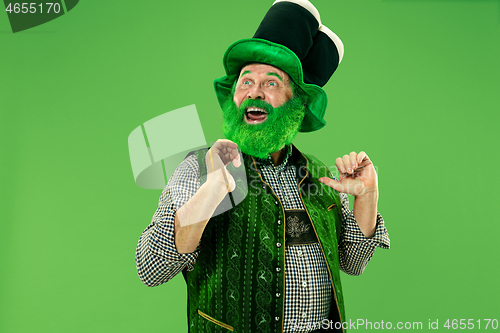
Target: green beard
261, 140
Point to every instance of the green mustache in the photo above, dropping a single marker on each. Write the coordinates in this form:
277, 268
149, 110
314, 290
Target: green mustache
261, 140
258, 104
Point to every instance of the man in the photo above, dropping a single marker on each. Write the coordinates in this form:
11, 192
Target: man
270, 263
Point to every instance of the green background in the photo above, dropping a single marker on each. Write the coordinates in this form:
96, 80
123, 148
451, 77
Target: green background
418, 90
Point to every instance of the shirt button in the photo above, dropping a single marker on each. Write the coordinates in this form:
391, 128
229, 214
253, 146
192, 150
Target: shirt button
277, 318
278, 244
299, 253
278, 269
304, 315
304, 284
278, 295
279, 222
286, 198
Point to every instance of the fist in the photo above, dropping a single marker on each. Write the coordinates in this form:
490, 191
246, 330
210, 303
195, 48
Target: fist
357, 175
217, 158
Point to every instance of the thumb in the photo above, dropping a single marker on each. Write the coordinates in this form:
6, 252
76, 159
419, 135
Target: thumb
335, 184
237, 160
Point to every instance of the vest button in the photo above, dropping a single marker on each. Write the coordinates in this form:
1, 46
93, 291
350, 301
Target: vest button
278, 295
278, 244
276, 202
279, 222
278, 269
277, 318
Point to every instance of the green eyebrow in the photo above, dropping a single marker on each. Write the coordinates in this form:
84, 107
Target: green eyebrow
275, 74
245, 72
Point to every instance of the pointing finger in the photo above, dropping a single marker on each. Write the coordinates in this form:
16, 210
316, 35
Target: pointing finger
235, 157
332, 183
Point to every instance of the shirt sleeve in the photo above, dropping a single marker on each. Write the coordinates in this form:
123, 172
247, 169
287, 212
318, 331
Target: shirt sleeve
157, 258
355, 250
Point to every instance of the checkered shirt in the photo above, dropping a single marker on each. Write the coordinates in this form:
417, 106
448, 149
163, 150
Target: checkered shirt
308, 291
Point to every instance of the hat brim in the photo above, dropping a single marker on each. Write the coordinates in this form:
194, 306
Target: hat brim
254, 50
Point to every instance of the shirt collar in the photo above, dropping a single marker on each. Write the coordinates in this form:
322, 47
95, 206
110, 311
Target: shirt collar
293, 157
268, 161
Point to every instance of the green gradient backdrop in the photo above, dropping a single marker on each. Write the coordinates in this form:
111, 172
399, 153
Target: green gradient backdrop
418, 90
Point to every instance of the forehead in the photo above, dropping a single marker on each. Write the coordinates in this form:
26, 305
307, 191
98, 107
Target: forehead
263, 69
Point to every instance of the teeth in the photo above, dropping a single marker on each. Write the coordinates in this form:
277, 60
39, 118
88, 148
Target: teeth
250, 109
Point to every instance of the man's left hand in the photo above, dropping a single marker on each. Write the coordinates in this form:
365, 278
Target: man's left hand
357, 176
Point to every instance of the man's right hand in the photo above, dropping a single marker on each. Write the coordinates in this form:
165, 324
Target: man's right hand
217, 158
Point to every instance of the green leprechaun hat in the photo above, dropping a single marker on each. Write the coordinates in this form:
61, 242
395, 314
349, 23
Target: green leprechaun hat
292, 38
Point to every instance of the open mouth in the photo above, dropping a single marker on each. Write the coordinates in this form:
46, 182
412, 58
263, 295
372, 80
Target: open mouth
255, 115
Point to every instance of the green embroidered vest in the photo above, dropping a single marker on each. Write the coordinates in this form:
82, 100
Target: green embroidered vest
238, 281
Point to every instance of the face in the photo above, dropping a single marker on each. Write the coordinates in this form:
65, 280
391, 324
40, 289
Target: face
262, 82
263, 116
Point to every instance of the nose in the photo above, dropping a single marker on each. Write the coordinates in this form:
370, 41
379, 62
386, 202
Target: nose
255, 93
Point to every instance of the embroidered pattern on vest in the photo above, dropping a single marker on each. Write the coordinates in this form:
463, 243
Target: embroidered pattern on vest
234, 280
299, 230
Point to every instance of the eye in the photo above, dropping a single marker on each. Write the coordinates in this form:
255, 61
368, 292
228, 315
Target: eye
246, 82
273, 84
